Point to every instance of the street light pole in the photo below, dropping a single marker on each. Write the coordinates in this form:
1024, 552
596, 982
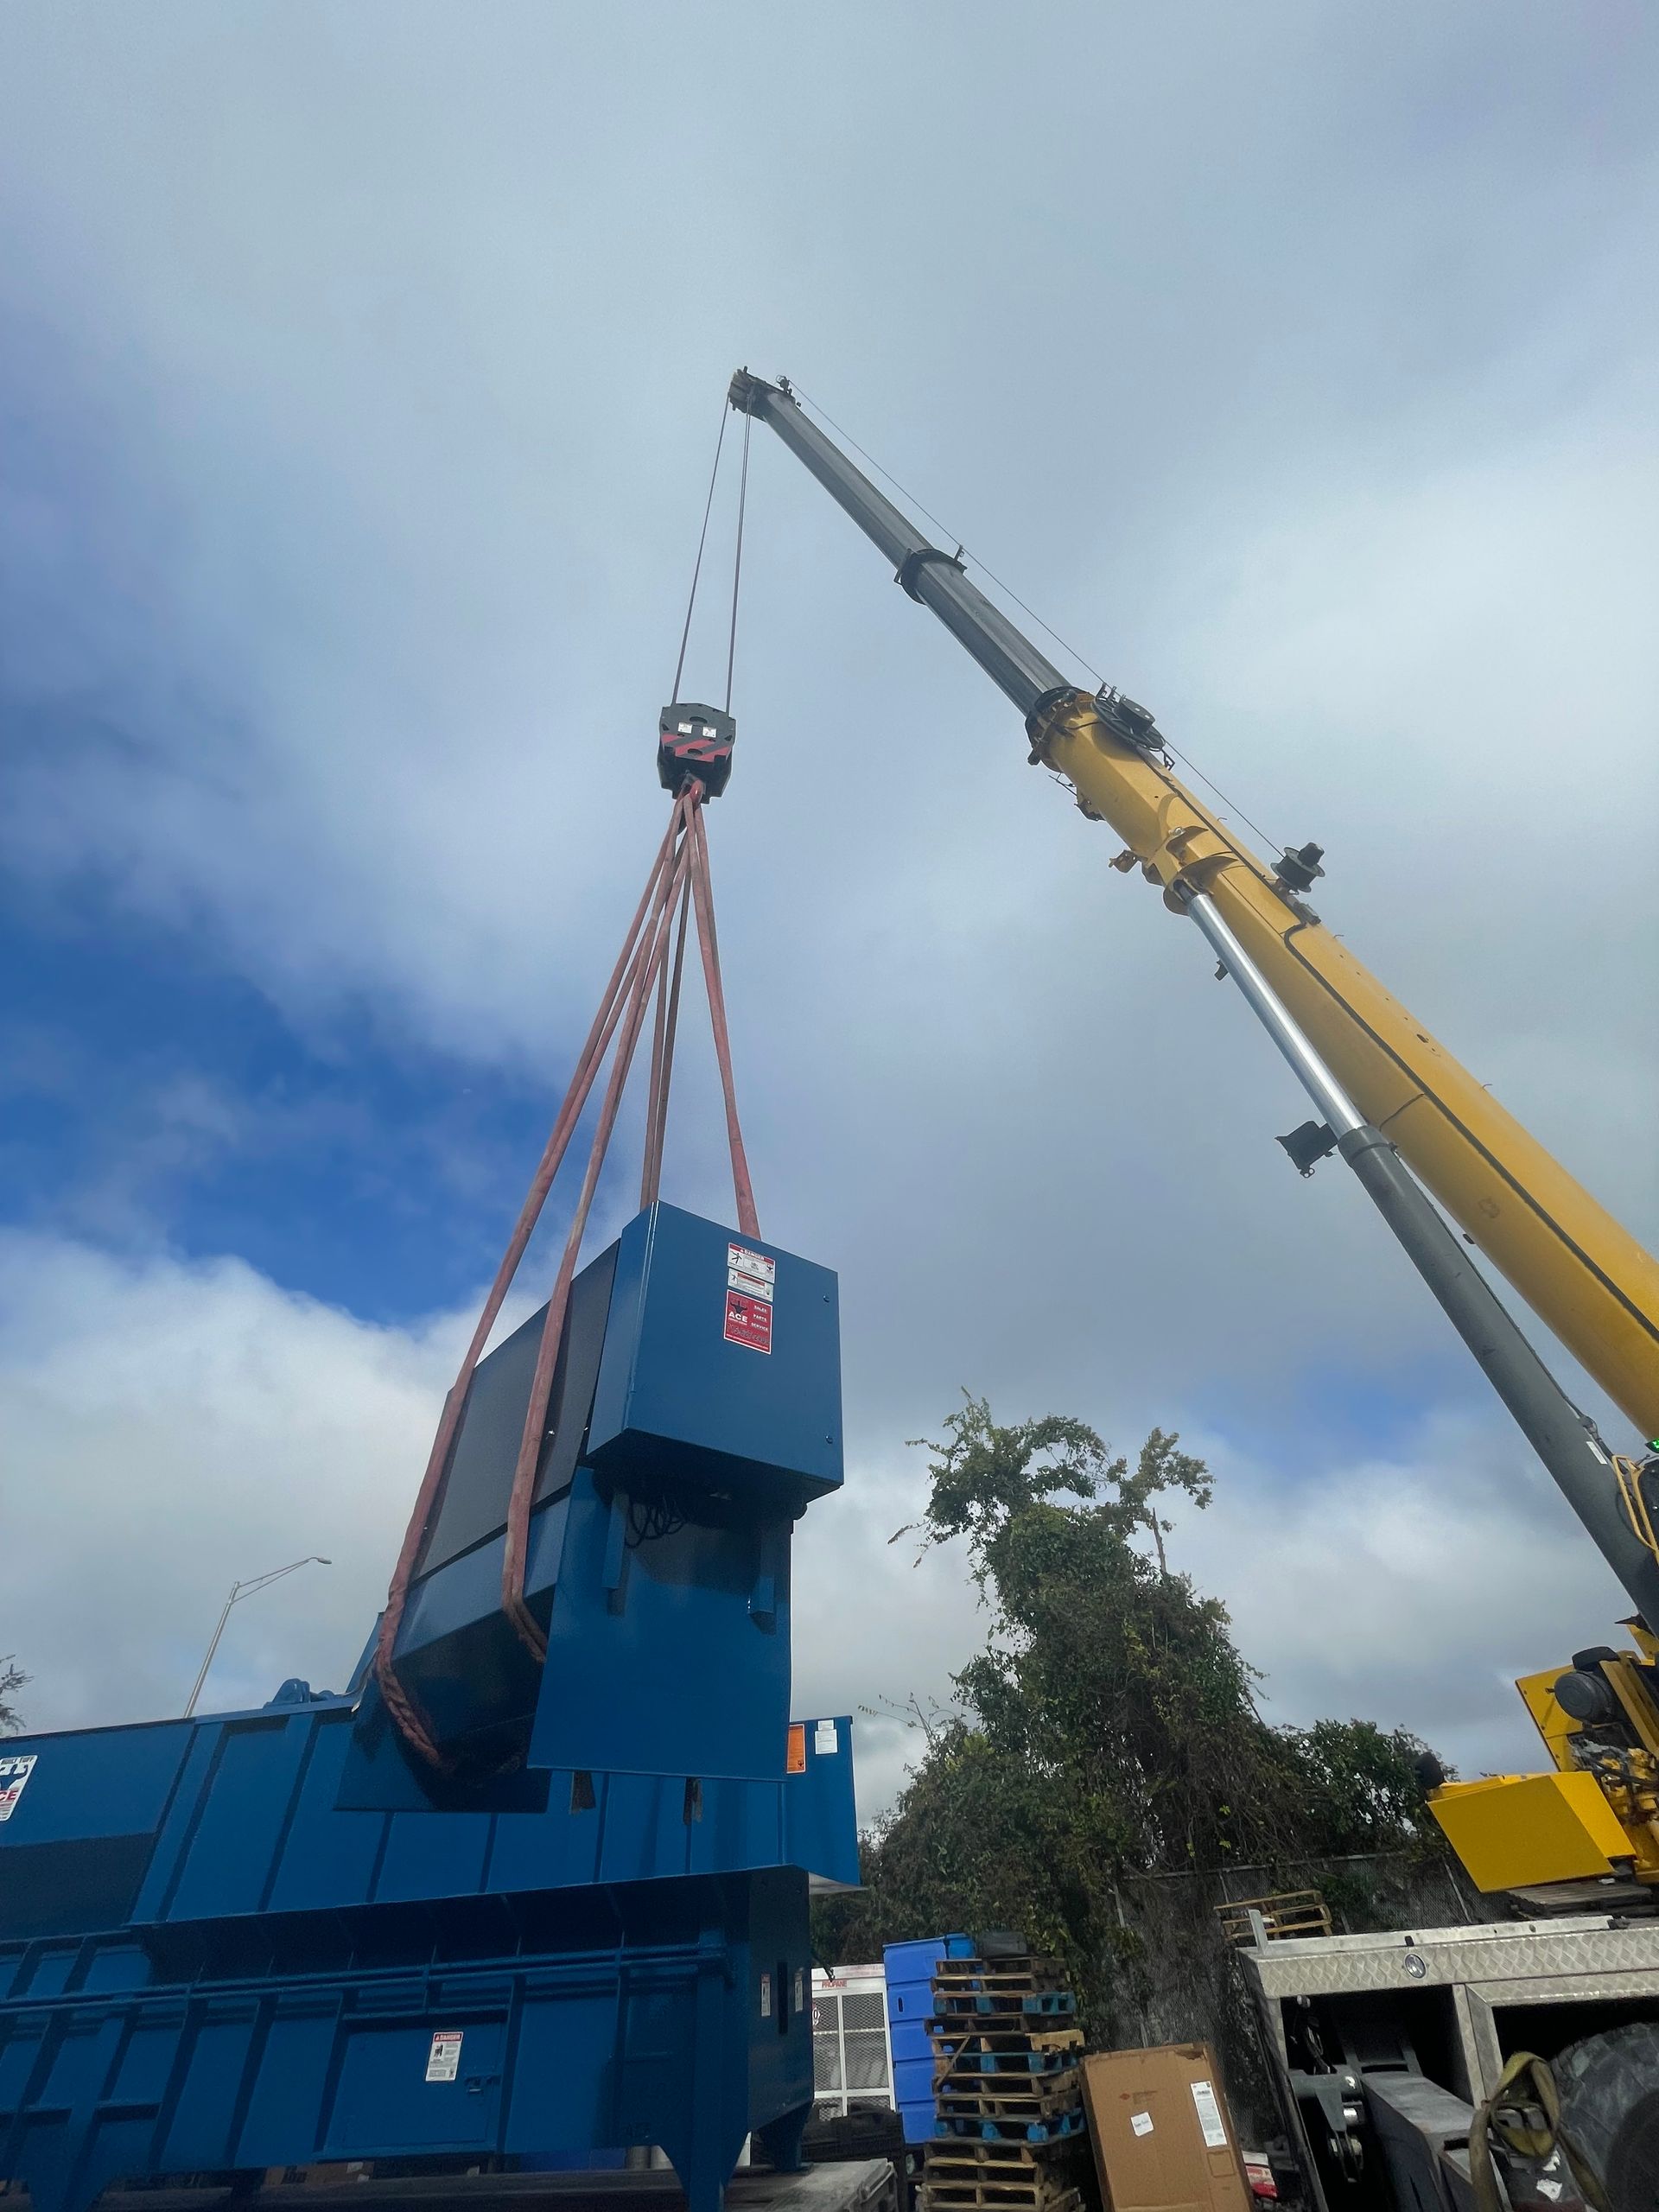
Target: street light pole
246, 1590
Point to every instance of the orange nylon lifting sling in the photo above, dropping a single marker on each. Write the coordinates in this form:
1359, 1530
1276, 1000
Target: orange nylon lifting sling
678, 888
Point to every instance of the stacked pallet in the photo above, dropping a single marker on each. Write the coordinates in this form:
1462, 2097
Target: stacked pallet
1008, 2082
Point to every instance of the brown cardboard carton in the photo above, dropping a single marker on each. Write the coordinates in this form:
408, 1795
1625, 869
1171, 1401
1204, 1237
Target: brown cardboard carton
1163, 2139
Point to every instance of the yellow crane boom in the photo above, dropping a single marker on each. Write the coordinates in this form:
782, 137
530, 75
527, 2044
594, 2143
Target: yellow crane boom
1583, 1275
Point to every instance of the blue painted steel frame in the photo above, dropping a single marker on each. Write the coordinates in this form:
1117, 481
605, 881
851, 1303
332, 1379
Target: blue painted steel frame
688, 2028
658, 1553
230, 1943
205, 1963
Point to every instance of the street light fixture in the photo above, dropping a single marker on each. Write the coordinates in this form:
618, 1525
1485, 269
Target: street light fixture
246, 1589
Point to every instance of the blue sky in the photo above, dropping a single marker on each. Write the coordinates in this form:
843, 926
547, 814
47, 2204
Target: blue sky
361, 366
151, 1092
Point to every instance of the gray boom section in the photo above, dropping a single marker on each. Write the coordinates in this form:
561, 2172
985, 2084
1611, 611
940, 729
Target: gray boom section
1561, 1436
1009, 658
1552, 1424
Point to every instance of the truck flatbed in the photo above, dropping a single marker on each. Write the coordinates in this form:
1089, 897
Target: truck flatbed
1382, 2046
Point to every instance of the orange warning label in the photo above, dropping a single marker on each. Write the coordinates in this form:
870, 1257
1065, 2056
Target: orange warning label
797, 1761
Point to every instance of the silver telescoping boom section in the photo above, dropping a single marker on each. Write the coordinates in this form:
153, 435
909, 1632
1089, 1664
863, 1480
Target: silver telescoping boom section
932, 576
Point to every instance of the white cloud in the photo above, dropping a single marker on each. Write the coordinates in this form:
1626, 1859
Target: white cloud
366, 364
372, 579
170, 1428
1410, 1588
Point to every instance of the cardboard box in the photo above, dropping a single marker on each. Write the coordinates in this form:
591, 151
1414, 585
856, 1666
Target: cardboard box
1163, 2139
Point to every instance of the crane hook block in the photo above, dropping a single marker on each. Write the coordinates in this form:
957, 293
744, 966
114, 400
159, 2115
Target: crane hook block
694, 740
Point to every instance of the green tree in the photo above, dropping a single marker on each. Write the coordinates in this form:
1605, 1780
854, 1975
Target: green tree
1362, 1786
983, 1475
1106, 1676
1108, 1726
12, 1677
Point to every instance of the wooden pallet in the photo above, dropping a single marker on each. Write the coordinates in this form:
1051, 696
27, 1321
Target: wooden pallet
1006, 2048
961, 2173
994, 2196
1013, 2155
1017, 1978
951, 2006
997, 2096
1058, 2128
1017, 2056
954, 1969
1292, 1912
1043, 2189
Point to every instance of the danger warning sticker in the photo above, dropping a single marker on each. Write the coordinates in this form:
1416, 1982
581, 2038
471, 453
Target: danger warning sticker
444, 2060
748, 1320
750, 1272
14, 1773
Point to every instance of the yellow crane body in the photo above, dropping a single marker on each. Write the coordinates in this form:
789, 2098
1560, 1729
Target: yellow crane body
1583, 1275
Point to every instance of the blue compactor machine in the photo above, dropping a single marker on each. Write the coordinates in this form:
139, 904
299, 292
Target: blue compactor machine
267, 1938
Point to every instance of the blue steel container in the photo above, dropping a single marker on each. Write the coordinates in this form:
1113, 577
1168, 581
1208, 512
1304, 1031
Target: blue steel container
205, 1964
678, 2017
266, 1938
185, 1821
680, 1378
695, 1413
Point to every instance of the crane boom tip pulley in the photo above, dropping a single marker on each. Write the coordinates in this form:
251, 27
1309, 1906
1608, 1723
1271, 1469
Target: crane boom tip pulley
747, 393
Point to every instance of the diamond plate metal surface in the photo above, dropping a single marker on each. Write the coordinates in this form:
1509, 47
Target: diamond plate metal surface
1560, 1952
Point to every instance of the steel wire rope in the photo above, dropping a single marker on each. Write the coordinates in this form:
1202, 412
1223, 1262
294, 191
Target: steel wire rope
697, 566
737, 559
1009, 593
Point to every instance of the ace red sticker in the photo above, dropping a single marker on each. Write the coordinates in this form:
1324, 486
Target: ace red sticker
749, 1321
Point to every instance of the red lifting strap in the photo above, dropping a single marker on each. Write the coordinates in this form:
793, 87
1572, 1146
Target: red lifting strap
677, 887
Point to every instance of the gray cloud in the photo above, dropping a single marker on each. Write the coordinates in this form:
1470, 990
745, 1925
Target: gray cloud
1300, 365
172, 1428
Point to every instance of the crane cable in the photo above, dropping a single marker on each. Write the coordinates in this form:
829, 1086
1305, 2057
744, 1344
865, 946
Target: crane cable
678, 892
697, 566
737, 557
1009, 593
